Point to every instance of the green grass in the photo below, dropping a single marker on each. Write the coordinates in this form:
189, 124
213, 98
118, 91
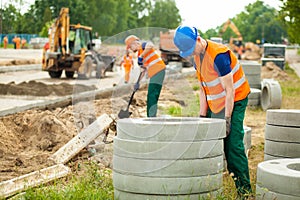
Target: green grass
88, 182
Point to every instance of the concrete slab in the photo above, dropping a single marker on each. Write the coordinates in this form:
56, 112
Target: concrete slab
15, 185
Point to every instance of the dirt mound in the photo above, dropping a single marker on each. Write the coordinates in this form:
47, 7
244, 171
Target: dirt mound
33, 88
28, 138
271, 70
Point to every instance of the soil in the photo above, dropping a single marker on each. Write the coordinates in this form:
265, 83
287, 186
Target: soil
28, 138
33, 88
272, 71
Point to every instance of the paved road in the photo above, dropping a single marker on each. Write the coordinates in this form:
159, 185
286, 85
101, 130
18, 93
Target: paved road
293, 59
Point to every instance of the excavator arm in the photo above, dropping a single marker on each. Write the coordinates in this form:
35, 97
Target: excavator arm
233, 27
59, 35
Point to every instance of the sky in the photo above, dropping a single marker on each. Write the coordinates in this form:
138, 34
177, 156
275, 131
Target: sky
203, 14
212, 13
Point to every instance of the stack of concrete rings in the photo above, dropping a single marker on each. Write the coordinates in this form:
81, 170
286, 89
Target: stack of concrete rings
254, 97
282, 134
252, 70
168, 158
270, 94
278, 179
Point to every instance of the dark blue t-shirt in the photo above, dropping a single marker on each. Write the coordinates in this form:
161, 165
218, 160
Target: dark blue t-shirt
222, 64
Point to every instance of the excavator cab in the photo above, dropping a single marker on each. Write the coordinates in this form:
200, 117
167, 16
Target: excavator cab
80, 38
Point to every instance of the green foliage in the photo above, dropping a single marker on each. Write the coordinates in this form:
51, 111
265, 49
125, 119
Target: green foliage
165, 14
257, 22
94, 184
196, 87
290, 16
106, 17
174, 111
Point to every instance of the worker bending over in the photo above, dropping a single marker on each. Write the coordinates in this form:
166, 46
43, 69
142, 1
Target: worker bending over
224, 93
152, 64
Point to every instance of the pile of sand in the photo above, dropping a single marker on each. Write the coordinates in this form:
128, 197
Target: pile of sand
272, 71
29, 138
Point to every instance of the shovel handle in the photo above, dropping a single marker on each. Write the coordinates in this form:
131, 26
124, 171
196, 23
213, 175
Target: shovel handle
130, 100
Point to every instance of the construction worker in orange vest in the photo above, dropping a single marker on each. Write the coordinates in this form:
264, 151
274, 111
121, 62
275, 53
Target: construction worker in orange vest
152, 64
23, 42
5, 42
224, 92
17, 42
127, 63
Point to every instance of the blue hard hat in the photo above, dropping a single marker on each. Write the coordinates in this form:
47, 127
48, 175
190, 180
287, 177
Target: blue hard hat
185, 38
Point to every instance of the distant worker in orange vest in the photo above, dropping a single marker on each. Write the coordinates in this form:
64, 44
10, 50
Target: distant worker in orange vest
149, 61
23, 42
224, 92
5, 42
127, 63
17, 42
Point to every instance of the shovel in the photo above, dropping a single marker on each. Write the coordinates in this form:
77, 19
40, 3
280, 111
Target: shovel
125, 113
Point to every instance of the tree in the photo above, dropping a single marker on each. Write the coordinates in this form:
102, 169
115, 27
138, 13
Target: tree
257, 22
9, 19
165, 14
290, 16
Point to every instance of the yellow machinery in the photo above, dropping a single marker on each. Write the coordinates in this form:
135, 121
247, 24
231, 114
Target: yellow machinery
70, 48
235, 44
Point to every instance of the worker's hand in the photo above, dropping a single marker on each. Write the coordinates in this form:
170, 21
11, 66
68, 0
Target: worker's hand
136, 87
228, 125
140, 61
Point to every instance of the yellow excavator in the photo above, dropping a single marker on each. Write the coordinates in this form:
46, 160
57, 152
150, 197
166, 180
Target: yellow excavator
70, 49
235, 44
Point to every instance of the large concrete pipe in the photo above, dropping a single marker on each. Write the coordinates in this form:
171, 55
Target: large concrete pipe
278, 179
271, 94
168, 158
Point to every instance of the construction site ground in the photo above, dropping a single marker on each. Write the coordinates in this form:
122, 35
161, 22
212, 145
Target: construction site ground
28, 138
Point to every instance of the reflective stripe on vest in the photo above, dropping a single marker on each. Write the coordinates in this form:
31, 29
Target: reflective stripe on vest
153, 62
223, 93
217, 81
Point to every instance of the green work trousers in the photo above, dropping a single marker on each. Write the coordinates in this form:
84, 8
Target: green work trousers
237, 162
154, 88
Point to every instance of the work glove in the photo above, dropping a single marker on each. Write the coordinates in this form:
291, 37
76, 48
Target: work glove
202, 116
136, 87
228, 125
140, 61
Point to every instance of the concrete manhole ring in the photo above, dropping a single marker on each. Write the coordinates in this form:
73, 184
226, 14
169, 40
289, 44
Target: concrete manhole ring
265, 194
167, 150
283, 149
176, 129
121, 195
271, 94
167, 185
280, 176
282, 134
283, 117
167, 168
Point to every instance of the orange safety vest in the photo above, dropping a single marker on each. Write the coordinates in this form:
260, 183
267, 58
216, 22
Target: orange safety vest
127, 61
209, 78
153, 62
